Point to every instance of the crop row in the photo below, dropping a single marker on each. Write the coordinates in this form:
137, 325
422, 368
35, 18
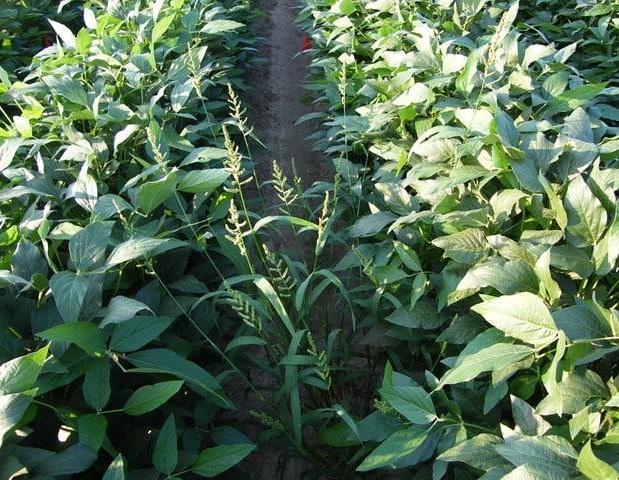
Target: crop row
113, 158
478, 142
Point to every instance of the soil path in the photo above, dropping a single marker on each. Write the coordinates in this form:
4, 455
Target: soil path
275, 101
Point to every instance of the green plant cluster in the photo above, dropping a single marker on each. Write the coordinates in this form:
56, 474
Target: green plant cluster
24, 30
477, 143
117, 176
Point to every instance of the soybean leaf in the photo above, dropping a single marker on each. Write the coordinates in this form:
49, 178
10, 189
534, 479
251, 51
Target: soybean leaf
69, 290
523, 316
150, 397
83, 334
138, 331
411, 402
165, 455
398, 446
213, 461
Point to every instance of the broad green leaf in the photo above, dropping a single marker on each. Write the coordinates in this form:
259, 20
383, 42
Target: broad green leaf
161, 360
96, 388
466, 246
64, 33
67, 88
8, 149
221, 26
580, 322
571, 393
72, 460
12, 409
91, 430
153, 194
138, 331
161, 27
371, 224
551, 452
507, 277
203, 181
21, 373
486, 353
523, 316
116, 470
121, 309
586, 216
213, 461
478, 452
83, 334
527, 421
150, 397
411, 402
140, 247
593, 467
180, 94
69, 290
165, 455
399, 445
87, 247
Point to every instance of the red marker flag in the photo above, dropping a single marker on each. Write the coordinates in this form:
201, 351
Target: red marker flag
306, 43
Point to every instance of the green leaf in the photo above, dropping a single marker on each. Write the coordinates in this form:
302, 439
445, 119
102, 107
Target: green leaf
581, 322
527, 421
91, 430
371, 224
180, 94
213, 461
594, 468
221, 26
165, 456
69, 290
466, 246
161, 27
153, 194
586, 216
203, 181
87, 247
486, 353
139, 247
161, 360
523, 316
506, 277
96, 388
116, 470
120, 309
83, 334
138, 331
150, 397
411, 402
398, 446
21, 373
64, 33
12, 409
550, 452
67, 88
74, 459
477, 452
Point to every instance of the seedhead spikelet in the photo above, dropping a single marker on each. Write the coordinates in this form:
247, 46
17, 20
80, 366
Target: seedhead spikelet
285, 193
234, 162
322, 360
279, 274
237, 111
234, 229
242, 307
152, 141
